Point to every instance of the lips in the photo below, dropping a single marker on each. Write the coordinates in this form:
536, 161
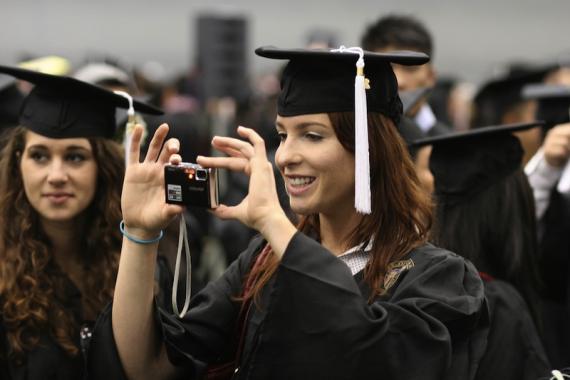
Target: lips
58, 198
297, 185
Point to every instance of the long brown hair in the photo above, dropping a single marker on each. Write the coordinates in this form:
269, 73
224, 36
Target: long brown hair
32, 287
401, 215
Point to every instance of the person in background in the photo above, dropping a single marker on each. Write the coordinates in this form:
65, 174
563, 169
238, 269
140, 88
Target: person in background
400, 32
485, 212
451, 100
547, 173
59, 211
410, 131
499, 101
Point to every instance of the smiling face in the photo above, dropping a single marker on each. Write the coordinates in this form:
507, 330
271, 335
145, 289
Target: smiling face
59, 176
318, 172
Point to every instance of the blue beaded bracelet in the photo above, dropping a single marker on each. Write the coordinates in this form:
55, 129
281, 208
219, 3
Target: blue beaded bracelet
137, 240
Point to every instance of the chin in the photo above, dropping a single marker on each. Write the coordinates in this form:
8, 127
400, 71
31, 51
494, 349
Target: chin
63, 216
303, 210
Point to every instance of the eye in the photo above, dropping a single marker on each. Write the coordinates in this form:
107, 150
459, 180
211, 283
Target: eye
75, 157
38, 156
313, 136
282, 136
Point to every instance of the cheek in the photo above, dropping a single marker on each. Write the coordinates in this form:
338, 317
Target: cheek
89, 181
31, 177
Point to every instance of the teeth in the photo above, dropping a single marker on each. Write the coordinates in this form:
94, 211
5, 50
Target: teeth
298, 181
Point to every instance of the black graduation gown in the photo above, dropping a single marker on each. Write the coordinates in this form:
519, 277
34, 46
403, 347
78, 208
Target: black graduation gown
47, 361
514, 350
314, 322
554, 266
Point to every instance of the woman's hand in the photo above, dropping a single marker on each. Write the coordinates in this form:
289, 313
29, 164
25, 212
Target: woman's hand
145, 211
261, 206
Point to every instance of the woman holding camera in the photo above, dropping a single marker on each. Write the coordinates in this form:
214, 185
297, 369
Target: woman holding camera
59, 211
346, 294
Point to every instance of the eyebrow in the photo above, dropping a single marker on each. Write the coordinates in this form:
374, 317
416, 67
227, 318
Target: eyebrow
303, 125
70, 147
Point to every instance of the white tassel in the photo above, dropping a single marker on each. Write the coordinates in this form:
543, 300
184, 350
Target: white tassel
362, 197
131, 122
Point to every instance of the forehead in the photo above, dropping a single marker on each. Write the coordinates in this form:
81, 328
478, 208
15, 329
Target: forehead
34, 139
304, 120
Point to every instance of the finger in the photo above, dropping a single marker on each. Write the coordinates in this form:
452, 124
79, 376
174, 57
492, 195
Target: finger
244, 147
156, 143
255, 139
175, 159
170, 147
232, 163
226, 212
135, 147
565, 128
231, 152
171, 210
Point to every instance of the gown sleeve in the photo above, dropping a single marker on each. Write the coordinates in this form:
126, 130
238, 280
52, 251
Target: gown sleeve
514, 349
318, 325
191, 342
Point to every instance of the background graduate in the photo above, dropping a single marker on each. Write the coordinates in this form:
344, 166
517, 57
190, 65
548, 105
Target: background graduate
59, 208
485, 212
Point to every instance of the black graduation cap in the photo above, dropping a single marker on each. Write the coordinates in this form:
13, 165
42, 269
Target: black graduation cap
465, 163
410, 99
322, 80
498, 95
10, 101
343, 80
553, 102
64, 107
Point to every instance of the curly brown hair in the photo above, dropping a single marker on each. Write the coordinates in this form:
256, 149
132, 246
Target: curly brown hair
402, 212
32, 287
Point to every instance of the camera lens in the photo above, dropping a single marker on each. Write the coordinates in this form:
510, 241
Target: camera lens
201, 175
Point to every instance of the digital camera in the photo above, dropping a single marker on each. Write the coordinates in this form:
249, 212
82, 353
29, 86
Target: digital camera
190, 184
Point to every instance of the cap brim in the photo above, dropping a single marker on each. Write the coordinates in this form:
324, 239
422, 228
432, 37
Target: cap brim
545, 91
475, 133
71, 85
408, 58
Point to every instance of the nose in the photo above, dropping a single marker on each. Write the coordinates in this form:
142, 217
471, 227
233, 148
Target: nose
57, 174
287, 154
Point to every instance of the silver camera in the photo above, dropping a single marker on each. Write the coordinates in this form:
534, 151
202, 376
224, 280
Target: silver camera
190, 184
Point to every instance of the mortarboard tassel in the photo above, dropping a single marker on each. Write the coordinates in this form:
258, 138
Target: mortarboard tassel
362, 197
131, 122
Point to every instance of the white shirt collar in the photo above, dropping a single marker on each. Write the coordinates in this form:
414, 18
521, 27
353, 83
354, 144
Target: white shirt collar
356, 258
425, 118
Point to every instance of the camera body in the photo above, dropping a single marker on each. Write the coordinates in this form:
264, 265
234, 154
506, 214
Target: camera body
189, 184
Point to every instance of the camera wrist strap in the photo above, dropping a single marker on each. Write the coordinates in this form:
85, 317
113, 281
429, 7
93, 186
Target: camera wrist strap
182, 239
